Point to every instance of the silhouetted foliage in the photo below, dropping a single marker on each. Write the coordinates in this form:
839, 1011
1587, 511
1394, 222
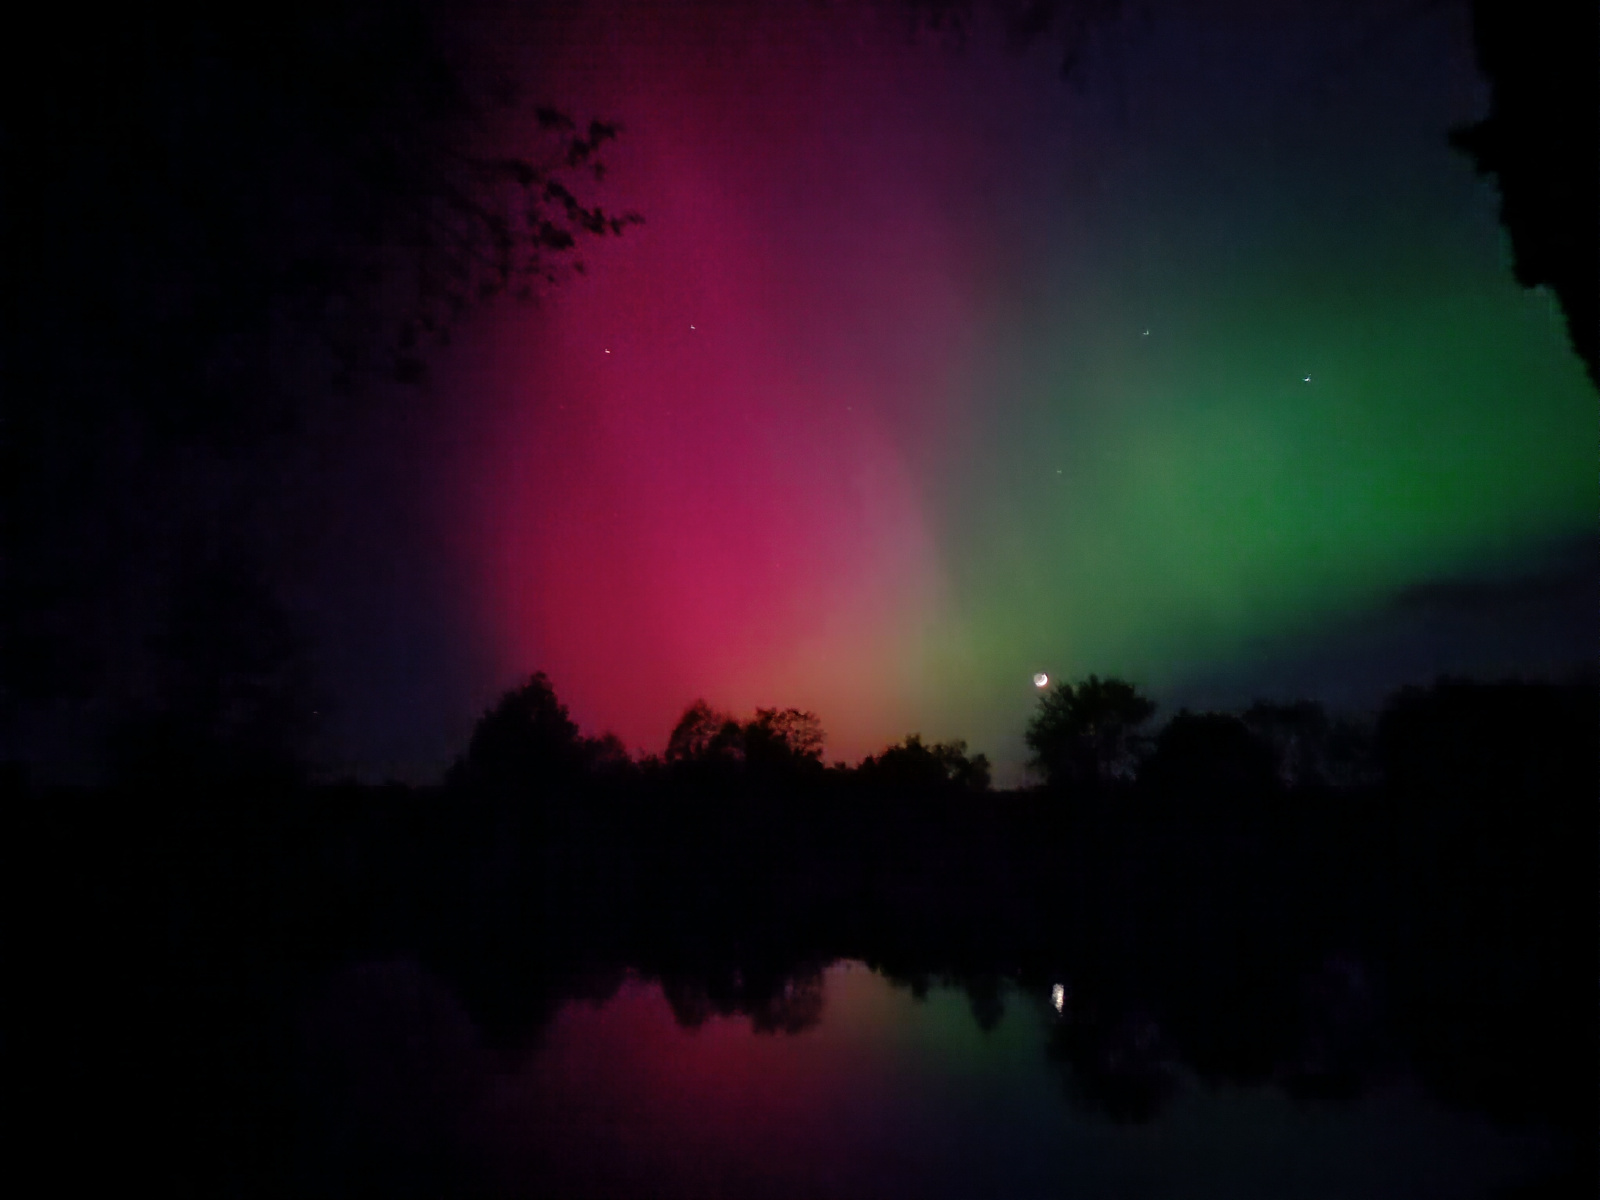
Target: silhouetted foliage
788, 1001
1070, 24
1086, 734
702, 733
1297, 734
783, 739
1538, 141
913, 766
1209, 755
231, 702
527, 743
1349, 757
1514, 742
774, 743
1311, 749
181, 177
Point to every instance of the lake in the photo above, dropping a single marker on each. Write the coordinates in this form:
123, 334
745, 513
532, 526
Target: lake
845, 1083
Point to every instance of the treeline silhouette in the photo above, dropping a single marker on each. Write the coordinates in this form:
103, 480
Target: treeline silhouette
1267, 896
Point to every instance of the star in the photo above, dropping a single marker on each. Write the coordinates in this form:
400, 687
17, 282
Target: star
1308, 379
1146, 333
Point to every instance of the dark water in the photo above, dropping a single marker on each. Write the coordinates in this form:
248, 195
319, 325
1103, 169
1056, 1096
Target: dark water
857, 1088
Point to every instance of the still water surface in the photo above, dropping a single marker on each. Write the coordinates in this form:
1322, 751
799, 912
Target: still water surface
880, 1094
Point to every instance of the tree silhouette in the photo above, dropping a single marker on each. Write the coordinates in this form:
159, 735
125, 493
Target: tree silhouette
1492, 742
783, 739
190, 184
1071, 24
1086, 734
1538, 141
703, 734
1210, 754
231, 699
1298, 736
528, 741
914, 766
780, 741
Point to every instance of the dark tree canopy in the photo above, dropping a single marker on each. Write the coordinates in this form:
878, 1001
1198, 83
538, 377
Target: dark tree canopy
703, 734
1539, 141
1070, 24
1310, 748
1507, 742
1213, 755
775, 740
527, 741
230, 700
191, 190
1085, 734
1296, 733
783, 738
915, 766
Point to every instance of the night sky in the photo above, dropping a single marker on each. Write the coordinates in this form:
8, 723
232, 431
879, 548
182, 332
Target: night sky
932, 368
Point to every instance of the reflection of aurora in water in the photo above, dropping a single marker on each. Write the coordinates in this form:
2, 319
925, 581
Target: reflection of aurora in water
879, 1093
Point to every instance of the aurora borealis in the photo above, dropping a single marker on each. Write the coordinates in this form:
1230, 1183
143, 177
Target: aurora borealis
931, 369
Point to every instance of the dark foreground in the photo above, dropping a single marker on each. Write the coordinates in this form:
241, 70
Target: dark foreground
167, 956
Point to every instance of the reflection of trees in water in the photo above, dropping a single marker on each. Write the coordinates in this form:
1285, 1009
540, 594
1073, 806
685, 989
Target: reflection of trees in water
1321, 1036
390, 1069
775, 1003
1125, 1034
1120, 1067
1342, 1043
